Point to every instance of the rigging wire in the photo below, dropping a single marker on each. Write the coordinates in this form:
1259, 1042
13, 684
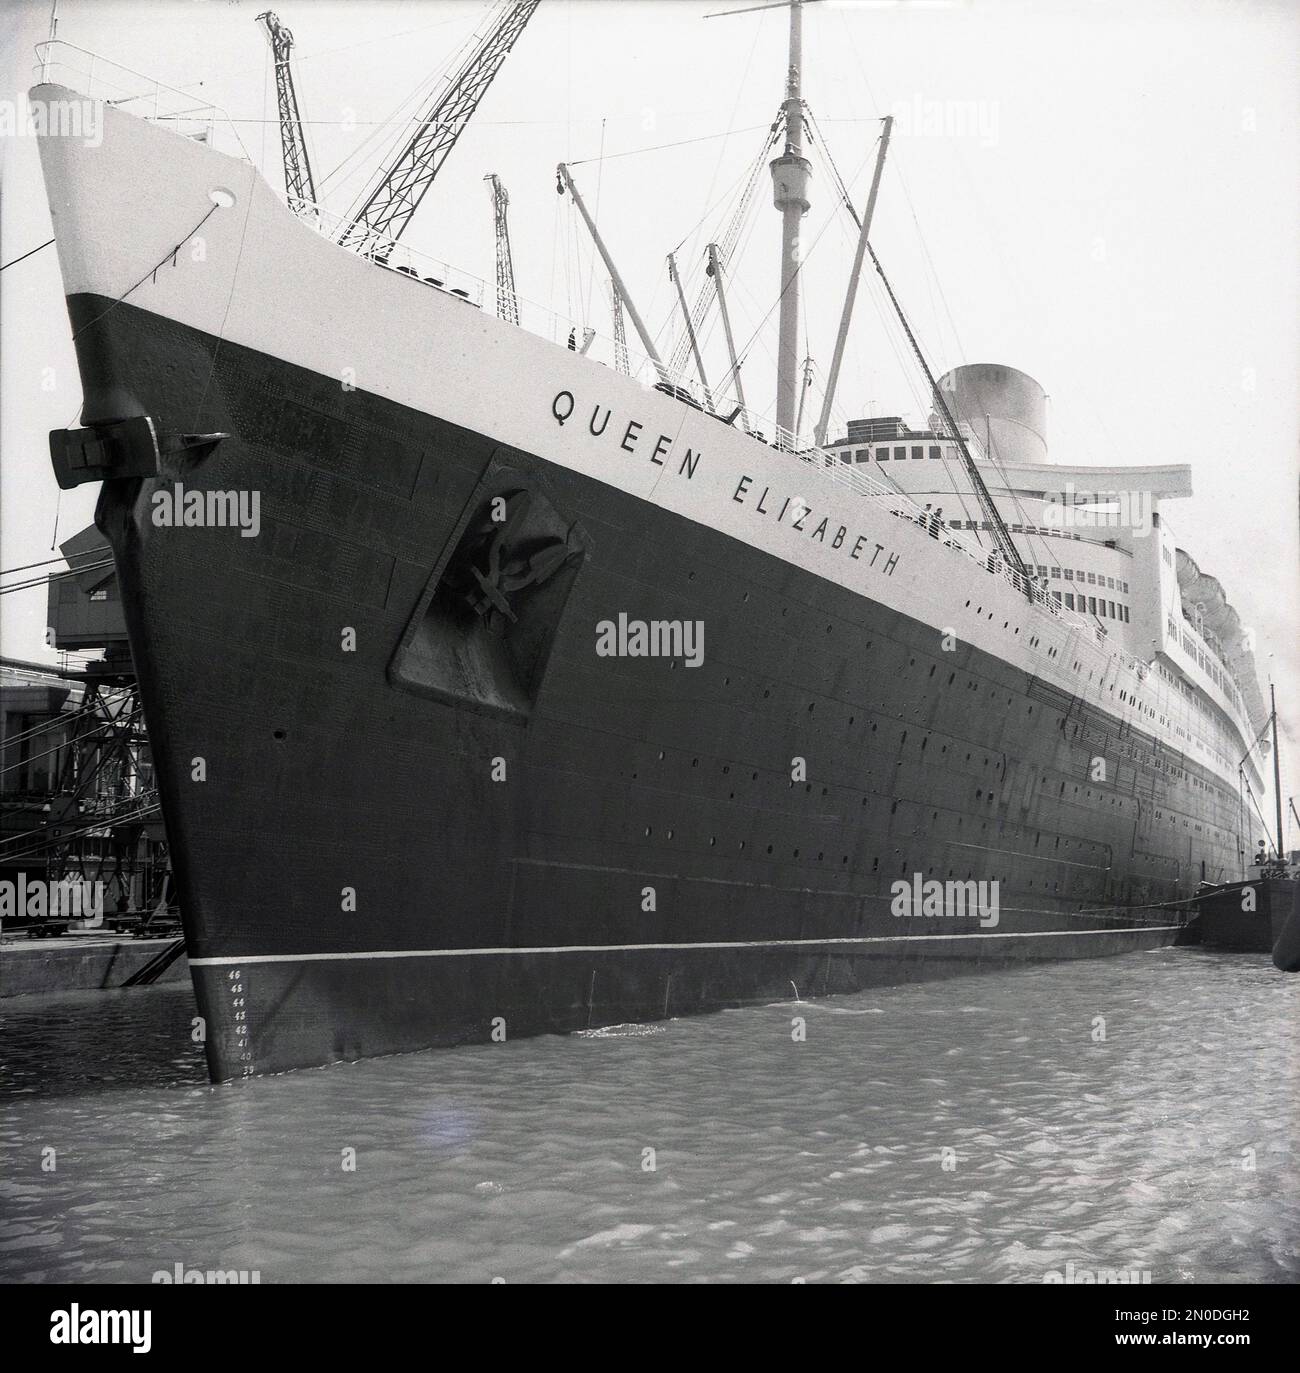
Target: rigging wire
933, 280
695, 275
415, 100
743, 353
56, 722
897, 164
15, 260
731, 121
365, 42
52, 576
26, 567
117, 723
726, 248
600, 181
818, 143
100, 822
660, 147
170, 253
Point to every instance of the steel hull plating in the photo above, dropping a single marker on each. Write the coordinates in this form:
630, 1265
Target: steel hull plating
373, 857
410, 804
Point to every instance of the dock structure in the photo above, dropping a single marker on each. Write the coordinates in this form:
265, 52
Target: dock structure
87, 962
78, 803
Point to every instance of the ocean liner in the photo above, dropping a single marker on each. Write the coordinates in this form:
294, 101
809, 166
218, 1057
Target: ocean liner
411, 801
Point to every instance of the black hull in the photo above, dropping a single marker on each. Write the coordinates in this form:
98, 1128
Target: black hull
332, 1010
524, 900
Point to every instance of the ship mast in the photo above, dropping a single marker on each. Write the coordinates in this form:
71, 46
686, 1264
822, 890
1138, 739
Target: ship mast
790, 174
1277, 769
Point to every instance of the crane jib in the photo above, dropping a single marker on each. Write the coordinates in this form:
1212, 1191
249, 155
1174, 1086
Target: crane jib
397, 191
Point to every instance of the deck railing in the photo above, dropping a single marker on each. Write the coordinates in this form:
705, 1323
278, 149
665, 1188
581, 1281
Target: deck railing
97, 78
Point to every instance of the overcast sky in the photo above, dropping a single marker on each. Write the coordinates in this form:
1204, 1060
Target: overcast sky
1102, 194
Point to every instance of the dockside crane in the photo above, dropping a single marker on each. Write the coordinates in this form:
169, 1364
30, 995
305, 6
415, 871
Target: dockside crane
387, 207
507, 300
299, 188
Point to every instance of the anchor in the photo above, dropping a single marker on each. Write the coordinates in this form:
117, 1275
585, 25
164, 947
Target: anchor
507, 568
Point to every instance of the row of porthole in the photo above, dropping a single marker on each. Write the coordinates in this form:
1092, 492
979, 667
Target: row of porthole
903, 740
1051, 652
1069, 843
1006, 624
1139, 755
971, 685
904, 867
741, 844
1034, 643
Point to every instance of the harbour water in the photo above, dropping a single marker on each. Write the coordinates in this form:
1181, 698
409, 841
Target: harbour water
1134, 1114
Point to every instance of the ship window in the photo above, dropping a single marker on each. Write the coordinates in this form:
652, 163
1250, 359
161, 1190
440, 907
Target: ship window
1110, 583
862, 455
918, 451
1126, 614
1124, 587
1079, 574
1092, 580
1069, 600
1056, 572
1057, 595
882, 454
900, 453
934, 451
847, 455
1092, 605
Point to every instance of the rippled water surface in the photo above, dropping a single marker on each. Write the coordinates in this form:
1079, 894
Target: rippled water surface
1168, 1145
